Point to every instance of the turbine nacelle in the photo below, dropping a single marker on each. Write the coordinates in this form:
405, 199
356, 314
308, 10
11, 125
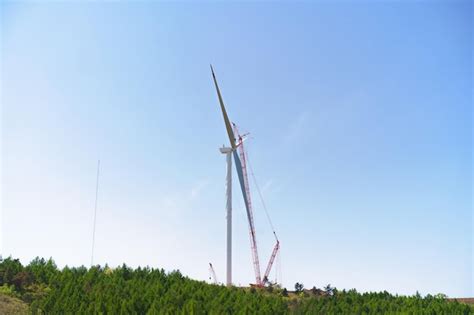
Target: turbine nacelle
225, 150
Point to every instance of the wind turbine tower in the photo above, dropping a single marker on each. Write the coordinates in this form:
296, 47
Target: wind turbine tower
228, 153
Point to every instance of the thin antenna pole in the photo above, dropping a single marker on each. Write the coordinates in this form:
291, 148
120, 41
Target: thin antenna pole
95, 211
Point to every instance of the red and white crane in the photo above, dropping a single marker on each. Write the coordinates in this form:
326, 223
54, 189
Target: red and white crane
248, 202
212, 274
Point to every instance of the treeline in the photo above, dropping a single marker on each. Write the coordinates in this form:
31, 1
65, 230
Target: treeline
123, 290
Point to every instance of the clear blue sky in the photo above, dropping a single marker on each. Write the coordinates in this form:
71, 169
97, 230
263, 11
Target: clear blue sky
361, 123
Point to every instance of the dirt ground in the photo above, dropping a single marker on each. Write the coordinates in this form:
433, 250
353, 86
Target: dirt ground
12, 306
464, 300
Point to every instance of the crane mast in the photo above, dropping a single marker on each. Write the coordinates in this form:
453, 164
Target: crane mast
270, 263
213, 274
253, 236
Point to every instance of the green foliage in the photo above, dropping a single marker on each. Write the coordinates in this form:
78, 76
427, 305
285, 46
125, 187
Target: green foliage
9, 268
123, 290
298, 287
8, 290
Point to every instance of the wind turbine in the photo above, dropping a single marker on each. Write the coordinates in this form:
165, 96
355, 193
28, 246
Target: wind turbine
236, 149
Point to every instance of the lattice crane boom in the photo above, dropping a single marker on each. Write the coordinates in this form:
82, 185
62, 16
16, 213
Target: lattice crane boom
248, 203
213, 274
270, 263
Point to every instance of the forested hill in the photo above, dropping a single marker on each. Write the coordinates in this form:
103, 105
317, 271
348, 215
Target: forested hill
122, 290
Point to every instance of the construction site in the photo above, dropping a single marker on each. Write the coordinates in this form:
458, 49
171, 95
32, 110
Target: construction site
236, 152
242, 157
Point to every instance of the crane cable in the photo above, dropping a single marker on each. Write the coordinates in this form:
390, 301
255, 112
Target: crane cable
261, 197
278, 271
